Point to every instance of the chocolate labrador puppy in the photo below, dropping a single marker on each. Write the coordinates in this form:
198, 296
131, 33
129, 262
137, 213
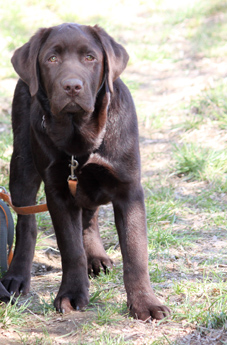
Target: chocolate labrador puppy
71, 106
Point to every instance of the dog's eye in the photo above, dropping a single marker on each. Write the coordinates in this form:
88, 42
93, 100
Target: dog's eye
89, 57
53, 59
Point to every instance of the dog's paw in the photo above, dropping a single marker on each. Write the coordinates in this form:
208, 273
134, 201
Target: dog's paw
68, 303
147, 307
99, 264
16, 284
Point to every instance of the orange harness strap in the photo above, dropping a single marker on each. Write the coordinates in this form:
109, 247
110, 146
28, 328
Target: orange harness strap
72, 179
25, 210
72, 186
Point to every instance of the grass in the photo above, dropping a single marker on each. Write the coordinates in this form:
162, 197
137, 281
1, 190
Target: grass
5, 153
199, 163
204, 304
46, 305
212, 104
12, 315
184, 167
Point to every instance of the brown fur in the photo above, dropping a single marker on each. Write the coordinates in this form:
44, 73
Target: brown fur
71, 101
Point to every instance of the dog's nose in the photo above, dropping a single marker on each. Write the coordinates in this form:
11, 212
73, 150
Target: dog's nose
72, 86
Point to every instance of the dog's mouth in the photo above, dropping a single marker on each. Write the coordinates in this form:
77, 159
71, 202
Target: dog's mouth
73, 108
76, 108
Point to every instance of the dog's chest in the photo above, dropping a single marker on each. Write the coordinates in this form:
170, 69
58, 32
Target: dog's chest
97, 185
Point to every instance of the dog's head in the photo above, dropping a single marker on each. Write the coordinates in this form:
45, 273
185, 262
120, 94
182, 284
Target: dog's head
72, 63
71, 69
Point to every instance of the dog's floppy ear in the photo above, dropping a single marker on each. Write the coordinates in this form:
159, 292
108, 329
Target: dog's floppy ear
116, 56
24, 60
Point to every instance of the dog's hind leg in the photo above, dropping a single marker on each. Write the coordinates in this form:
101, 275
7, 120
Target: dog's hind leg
97, 258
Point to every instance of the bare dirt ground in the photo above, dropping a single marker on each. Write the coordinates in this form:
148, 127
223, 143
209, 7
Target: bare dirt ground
162, 86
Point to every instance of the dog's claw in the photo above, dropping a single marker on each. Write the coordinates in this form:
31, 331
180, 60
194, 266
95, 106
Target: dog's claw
147, 307
99, 264
65, 305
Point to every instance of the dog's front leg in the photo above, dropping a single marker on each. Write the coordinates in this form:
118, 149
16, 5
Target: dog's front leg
131, 225
67, 221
